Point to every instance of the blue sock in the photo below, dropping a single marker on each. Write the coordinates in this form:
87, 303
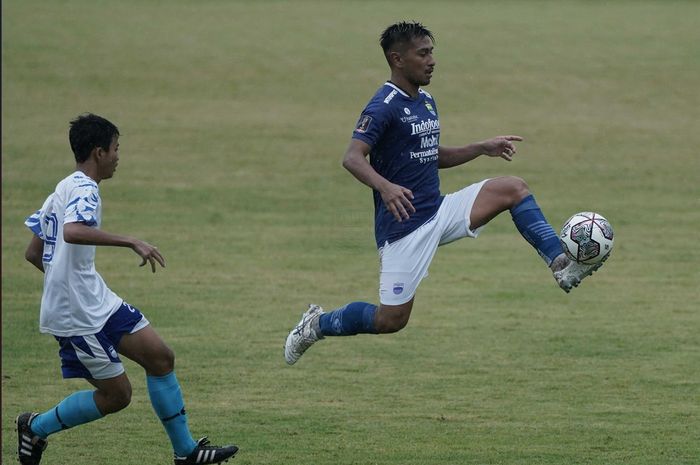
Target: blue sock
354, 318
74, 410
530, 221
166, 399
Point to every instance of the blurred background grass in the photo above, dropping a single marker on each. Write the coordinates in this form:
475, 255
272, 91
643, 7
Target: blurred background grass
234, 117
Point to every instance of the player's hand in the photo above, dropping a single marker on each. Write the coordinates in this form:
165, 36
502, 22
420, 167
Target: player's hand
501, 146
149, 253
398, 201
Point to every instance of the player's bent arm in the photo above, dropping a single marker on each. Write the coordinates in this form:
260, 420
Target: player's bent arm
355, 161
35, 252
80, 233
396, 198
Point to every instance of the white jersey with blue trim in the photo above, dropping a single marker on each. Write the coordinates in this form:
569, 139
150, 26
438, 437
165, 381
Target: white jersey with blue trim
404, 135
76, 301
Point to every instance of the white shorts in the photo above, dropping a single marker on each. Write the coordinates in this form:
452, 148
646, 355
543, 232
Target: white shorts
403, 264
94, 356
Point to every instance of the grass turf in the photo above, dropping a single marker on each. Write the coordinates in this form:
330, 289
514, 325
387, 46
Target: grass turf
234, 116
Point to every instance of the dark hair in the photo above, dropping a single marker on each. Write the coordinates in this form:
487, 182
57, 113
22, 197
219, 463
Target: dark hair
403, 32
88, 131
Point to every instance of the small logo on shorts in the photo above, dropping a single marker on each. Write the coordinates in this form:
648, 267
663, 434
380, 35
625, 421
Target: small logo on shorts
112, 352
398, 288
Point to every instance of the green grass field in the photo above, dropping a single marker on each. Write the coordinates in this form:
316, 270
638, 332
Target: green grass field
234, 117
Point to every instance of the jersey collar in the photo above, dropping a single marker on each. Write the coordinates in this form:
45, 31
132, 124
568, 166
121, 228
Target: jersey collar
398, 89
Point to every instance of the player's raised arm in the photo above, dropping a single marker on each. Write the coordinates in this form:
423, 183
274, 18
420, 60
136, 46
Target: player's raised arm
79, 233
500, 146
396, 198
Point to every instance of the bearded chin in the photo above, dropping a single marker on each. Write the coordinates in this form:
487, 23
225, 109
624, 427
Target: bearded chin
420, 81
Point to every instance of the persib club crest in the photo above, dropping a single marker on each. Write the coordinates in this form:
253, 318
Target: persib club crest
430, 108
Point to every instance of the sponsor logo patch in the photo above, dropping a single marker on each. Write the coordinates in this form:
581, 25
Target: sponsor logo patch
398, 288
425, 127
363, 124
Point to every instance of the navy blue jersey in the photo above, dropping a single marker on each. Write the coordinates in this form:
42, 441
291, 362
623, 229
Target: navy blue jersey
404, 134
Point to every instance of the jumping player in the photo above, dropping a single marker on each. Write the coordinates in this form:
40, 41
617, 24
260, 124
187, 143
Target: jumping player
400, 131
90, 322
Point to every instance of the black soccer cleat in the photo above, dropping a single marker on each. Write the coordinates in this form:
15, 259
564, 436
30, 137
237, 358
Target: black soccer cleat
29, 445
204, 453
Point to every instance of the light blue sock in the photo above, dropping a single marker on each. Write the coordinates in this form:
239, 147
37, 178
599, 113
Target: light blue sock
354, 318
166, 399
533, 226
74, 410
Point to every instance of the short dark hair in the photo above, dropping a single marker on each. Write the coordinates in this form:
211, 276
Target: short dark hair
88, 131
403, 32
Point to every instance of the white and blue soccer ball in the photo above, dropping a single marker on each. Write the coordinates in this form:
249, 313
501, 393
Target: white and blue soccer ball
587, 238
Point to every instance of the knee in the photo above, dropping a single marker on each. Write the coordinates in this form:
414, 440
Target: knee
514, 189
519, 188
391, 322
163, 363
505, 192
122, 399
115, 400
392, 326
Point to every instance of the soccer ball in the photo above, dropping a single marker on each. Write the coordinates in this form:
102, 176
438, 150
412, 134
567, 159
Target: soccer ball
587, 238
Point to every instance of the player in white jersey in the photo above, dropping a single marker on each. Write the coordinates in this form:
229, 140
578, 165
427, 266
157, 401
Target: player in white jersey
90, 322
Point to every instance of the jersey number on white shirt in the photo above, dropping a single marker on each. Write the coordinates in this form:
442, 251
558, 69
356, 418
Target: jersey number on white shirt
50, 235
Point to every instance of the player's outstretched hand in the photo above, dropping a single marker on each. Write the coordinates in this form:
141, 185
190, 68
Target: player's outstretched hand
149, 253
501, 146
398, 201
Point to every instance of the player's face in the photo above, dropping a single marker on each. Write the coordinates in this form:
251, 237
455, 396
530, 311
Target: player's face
419, 62
109, 159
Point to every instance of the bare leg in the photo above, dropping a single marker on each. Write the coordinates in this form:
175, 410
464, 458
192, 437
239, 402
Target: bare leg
146, 348
501, 194
392, 318
113, 394
497, 195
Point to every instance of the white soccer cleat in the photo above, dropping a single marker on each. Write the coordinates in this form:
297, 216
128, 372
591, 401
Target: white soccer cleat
572, 273
303, 335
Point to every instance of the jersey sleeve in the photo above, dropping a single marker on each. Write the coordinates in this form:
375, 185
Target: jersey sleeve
37, 221
373, 122
82, 205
